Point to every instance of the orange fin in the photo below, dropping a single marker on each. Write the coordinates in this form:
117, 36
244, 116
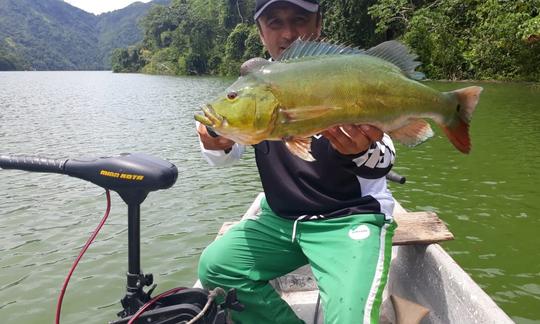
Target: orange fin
415, 132
300, 146
304, 113
457, 130
407, 312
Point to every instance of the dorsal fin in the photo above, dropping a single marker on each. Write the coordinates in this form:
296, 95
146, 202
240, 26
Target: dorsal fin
398, 54
304, 48
391, 51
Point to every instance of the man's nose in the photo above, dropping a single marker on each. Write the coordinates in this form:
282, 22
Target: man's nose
290, 32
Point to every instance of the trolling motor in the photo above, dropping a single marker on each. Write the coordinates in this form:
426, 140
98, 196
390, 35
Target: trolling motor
133, 177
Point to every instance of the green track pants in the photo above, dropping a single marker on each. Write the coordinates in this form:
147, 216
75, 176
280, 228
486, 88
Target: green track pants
349, 257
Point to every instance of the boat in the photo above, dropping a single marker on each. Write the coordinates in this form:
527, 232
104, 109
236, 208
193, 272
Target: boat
425, 284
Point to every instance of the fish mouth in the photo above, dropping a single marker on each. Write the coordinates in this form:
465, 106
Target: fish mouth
209, 117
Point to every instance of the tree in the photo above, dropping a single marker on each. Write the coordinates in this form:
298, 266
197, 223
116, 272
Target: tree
455, 39
497, 48
242, 44
348, 22
472, 39
127, 59
234, 12
6, 65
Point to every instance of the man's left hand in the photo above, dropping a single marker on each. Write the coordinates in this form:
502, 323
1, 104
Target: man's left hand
352, 139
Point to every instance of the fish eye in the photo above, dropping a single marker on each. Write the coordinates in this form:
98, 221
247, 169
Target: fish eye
232, 95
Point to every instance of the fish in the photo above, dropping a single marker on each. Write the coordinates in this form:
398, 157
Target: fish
316, 85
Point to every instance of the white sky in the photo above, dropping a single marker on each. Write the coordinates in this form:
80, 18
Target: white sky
100, 6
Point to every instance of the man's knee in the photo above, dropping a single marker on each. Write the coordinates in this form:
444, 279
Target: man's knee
214, 265
208, 266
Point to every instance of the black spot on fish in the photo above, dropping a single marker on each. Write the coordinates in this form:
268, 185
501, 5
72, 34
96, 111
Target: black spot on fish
458, 108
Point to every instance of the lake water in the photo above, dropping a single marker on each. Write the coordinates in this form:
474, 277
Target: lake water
488, 198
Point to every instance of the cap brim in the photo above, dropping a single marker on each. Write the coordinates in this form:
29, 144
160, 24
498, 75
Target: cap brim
306, 5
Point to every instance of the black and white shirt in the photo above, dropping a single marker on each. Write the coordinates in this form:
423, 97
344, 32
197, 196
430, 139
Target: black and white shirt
334, 185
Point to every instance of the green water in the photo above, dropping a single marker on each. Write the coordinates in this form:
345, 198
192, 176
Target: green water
487, 198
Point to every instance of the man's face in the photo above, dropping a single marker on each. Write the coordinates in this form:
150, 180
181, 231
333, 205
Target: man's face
282, 23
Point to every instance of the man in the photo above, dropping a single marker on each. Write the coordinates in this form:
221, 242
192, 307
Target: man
333, 213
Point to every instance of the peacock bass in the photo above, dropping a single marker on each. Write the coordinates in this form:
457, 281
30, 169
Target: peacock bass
317, 85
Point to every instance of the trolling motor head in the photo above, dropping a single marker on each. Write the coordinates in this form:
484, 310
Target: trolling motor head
133, 176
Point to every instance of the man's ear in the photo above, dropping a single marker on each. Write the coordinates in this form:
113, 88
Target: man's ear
261, 35
319, 24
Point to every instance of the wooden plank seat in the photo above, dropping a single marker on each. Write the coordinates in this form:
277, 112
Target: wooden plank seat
413, 227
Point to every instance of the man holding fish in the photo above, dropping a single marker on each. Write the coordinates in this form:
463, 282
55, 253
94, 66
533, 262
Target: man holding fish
322, 158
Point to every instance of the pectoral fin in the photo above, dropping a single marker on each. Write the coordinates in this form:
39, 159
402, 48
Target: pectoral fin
415, 132
300, 146
291, 115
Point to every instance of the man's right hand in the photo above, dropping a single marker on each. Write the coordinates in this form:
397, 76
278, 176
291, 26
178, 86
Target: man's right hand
218, 143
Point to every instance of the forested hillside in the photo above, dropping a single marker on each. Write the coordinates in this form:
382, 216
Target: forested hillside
47, 34
120, 28
455, 39
53, 35
193, 37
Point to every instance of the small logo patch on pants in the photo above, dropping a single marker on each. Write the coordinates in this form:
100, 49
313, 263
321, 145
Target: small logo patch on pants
361, 232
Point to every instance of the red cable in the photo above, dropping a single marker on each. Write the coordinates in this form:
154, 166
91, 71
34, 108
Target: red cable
90, 240
153, 300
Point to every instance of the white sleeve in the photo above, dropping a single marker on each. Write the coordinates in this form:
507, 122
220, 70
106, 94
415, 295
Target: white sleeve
220, 158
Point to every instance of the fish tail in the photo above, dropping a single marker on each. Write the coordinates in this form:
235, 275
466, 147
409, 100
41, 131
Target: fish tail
457, 129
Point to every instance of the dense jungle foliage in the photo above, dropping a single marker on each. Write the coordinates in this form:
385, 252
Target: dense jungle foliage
455, 39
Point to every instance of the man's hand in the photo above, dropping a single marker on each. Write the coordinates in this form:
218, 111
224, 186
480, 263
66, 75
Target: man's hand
213, 143
352, 139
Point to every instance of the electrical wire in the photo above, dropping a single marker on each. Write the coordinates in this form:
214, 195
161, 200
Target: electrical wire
213, 294
152, 301
90, 240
